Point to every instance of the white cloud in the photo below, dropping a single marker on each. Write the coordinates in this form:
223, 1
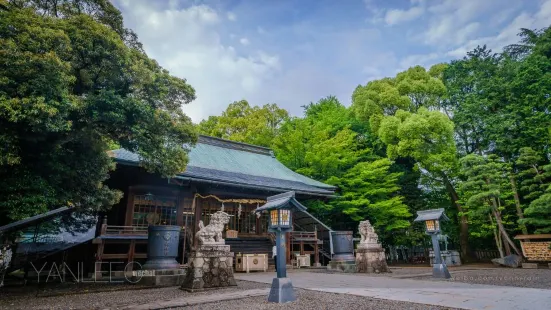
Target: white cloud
425, 60
231, 16
395, 16
508, 34
455, 22
244, 41
260, 30
187, 42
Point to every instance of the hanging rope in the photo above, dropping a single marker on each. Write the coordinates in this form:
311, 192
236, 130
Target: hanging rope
246, 201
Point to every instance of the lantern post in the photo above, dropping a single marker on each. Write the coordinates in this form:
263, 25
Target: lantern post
279, 208
432, 219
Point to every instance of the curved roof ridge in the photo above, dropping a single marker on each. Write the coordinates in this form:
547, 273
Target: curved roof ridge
235, 145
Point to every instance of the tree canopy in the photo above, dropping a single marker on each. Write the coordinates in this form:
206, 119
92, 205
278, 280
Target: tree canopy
73, 83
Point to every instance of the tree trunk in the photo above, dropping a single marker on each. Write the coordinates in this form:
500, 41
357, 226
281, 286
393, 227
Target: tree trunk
517, 202
497, 216
463, 221
497, 237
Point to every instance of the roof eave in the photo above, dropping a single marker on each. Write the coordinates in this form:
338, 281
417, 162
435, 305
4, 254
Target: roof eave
260, 187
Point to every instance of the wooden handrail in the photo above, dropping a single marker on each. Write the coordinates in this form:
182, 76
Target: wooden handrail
136, 230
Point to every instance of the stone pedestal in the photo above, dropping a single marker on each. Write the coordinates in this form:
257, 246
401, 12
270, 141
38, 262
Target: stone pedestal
371, 259
281, 291
341, 267
210, 266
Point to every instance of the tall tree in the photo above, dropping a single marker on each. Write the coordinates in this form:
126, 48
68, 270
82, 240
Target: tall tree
369, 191
73, 82
402, 111
487, 194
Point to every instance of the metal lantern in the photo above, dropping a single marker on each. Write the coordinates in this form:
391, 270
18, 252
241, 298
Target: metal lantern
280, 209
433, 226
280, 219
432, 220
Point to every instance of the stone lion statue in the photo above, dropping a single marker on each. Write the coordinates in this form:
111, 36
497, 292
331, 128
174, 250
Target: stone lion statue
212, 233
367, 233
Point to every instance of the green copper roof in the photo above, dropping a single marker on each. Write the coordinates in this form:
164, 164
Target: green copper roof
239, 163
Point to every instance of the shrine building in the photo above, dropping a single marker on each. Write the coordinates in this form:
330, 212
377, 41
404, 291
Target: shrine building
221, 175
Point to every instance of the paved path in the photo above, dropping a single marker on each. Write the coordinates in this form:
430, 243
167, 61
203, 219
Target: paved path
450, 294
196, 300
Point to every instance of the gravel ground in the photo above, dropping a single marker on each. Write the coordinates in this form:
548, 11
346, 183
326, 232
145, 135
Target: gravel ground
533, 278
316, 301
109, 299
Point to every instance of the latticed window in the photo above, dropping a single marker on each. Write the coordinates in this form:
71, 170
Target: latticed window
154, 210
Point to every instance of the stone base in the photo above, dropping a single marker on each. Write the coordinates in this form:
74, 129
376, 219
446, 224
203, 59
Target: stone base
530, 265
371, 260
440, 271
342, 267
161, 264
170, 277
210, 266
282, 291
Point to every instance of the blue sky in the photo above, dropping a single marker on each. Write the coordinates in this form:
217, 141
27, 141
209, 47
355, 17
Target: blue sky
295, 52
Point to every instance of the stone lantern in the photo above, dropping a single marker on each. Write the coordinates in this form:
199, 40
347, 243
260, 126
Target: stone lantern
432, 219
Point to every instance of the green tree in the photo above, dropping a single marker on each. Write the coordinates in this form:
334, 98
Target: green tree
369, 191
486, 193
536, 186
539, 211
241, 122
401, 111
74, 81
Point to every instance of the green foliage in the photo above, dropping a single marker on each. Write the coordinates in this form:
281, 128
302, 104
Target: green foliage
325, 143
408, 91
535, 177
241, 122
369, 192
426, 136
487, 196
73, 84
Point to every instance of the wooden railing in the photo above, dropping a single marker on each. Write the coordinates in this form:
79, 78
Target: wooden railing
125, 230
304, 235
486, 255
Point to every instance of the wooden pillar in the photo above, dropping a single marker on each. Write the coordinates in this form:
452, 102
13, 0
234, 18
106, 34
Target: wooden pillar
316, 254
302, 248
288, 247
129, 207
99, 255
198, 211
131, 252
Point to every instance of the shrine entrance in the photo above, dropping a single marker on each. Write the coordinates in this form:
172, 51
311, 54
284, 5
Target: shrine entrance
244, 220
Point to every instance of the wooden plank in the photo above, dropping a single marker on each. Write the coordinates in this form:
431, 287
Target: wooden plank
537, 251
115, 256
542, 236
